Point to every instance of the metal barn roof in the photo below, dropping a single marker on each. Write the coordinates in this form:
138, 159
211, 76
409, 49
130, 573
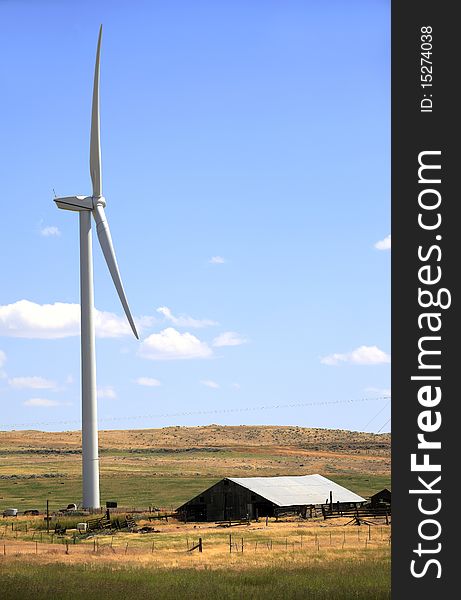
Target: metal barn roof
298, 490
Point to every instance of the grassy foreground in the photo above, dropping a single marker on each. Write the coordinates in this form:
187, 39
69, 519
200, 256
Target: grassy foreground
368, 580
286, 559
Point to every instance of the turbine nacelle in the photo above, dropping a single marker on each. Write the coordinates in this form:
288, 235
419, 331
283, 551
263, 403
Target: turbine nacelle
79, 203
76, 203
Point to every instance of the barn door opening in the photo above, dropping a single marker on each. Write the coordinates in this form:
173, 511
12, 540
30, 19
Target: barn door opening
263, 509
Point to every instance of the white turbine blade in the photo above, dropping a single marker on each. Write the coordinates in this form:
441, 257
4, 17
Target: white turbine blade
105, 239
95, 142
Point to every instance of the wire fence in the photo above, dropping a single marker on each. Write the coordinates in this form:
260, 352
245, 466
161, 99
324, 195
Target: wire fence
322, 539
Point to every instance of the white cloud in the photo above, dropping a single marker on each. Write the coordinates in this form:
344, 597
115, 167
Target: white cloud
184, 320
41, 402
236, 386
110, 325
34, 383
146, 321
148, 381
169, 344
364, 355
50, 231
210, 383
229, 338
25, 319
2, 362
384, 244
107, 392
217, 260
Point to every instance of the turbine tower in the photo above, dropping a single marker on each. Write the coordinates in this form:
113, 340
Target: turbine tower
87, 206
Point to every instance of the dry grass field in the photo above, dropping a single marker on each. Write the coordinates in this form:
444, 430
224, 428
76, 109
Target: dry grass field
168, 544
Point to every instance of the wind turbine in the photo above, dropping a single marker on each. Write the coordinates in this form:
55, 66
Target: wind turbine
87, 206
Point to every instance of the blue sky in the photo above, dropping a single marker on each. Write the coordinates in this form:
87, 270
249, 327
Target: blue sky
246, 167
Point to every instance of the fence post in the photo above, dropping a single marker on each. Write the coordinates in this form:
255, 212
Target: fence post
242, 545
230, 543
200, 545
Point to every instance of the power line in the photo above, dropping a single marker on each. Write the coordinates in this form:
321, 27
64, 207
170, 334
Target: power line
388, 421
217, 411
377, 414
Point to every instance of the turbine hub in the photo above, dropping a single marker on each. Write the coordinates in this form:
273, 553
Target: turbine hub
99, 201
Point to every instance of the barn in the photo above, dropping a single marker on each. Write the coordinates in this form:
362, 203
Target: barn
242, 497
381, 499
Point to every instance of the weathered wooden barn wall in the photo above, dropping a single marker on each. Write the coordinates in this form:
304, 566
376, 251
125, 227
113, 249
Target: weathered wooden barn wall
226, 500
